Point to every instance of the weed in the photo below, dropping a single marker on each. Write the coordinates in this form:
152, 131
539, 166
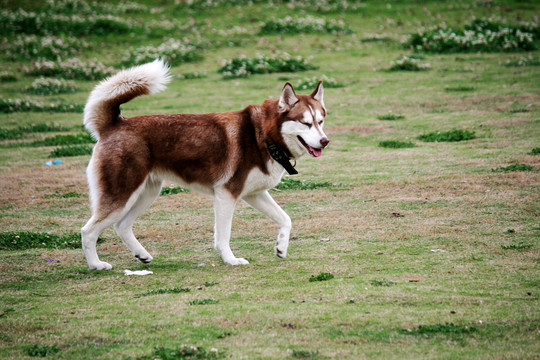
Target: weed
173, 190
519, 246
73, 69
326, 6
292, 184
45, 86
184, 352
176, 290
382, 282
82, 7
310, 83
528, 60
41, 350
514, 167
58, 140
43, 23
321, 277
308, 24
535, 151
7, 76
172, 51
478, 35
243, 67
203, 302
210, 283
377, 38
7, 311
30, 47
448, 136
461, 88
28, 105
409, 63
22, 240
396, 144
391, 116
192, 75
520, 110
445, 329
66, 195
305, 354
11, 134
74, 150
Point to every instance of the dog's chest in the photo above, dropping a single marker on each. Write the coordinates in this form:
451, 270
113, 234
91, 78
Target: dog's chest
258, 181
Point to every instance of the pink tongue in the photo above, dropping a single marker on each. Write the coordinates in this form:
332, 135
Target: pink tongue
315, 152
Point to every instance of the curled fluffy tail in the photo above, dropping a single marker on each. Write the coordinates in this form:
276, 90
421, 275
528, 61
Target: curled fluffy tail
103, 106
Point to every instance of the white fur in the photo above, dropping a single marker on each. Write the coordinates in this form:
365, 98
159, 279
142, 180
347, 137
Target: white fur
311, 135
152, 76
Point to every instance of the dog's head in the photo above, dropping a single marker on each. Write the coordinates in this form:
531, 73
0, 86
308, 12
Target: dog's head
303, 121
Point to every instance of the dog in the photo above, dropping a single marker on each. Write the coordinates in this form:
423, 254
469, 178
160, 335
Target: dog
232, 156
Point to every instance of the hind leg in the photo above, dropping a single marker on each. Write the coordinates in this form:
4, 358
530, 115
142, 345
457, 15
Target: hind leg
105, 213
124, 227
90, 233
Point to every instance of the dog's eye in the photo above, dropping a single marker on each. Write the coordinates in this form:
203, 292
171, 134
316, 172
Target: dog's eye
306, 124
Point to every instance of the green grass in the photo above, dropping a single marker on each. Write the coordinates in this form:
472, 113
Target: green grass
396, 144
460, 88
321, 277
73, 150
21, 240
203, 302
383, 282
368, 215
38, 350
184, 352
21, 131
71, 194
444, 329
305, 354
514, 167
173, 190
448, 136
391, 117
520, 246
293, 184
176, 290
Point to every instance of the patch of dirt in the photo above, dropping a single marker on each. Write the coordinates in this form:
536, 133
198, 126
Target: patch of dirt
367, 129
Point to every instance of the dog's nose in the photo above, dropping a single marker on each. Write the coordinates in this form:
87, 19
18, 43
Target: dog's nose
324, 141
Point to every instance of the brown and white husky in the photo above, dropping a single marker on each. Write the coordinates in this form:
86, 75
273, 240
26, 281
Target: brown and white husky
231, 156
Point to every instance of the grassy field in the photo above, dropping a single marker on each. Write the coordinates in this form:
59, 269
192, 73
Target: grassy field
432, 247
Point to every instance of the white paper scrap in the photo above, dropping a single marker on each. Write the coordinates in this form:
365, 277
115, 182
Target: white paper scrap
138, 272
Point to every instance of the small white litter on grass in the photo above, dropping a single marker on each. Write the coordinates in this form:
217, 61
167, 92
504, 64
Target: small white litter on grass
438, 250
138, 272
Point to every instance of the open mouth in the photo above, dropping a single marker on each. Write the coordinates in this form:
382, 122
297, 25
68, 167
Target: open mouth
311, 150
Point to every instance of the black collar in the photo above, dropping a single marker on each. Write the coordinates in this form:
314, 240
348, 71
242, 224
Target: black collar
280, 155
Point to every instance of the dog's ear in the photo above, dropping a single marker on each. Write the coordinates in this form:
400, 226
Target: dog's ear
287, 99
318, 93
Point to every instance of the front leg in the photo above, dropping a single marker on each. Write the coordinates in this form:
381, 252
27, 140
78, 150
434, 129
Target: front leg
263, 202
224, 204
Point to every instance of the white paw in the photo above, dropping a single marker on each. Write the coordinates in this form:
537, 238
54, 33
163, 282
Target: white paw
144, 257
280, 251
100, 265
237, 261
